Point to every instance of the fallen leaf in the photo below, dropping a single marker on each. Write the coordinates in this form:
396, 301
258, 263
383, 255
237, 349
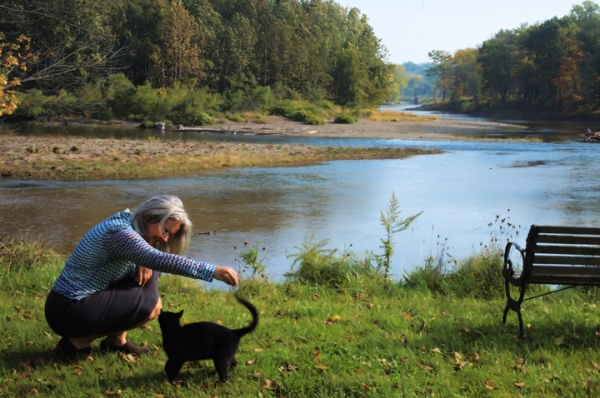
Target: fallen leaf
407, 316
560, 340
48, 335
258, 349
250, 362
520, 384
270, 384
403, 359
322, 366
366, 387
426, 367
489, 384
436, 350
156, 348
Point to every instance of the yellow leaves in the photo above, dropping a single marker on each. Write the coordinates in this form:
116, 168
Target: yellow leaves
322, 366
269, 385
332, 319
108, 393
519, 384
436, 350
127, 357
407, 316
48, 335
251, 361
490, 385
560, 340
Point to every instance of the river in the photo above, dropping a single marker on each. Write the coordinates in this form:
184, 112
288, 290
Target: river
473, 192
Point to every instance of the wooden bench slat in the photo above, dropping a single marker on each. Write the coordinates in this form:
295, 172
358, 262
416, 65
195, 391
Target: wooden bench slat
568, 250
558, 229
569, 239
559, 270
566, 260
563, 280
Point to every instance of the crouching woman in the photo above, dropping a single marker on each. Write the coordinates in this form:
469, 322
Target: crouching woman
109, 284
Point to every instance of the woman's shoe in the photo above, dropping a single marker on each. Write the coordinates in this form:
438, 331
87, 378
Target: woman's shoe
127, 348
67, 350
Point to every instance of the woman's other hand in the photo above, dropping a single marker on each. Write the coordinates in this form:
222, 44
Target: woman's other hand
227, 275
142, 275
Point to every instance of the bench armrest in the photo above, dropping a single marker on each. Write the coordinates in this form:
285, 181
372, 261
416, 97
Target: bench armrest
508, 270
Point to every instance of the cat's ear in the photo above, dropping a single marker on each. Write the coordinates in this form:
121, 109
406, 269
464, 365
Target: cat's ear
179, 314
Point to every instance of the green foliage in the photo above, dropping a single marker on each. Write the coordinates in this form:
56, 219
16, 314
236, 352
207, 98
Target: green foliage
314, 264
252, 260
345, 118
147, 124
31, 104
234, 117
119, 94
393, 224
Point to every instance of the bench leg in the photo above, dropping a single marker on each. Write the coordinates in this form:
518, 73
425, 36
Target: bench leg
514, 305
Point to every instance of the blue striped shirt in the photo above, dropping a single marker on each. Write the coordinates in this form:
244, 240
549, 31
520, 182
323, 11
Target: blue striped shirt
110, 251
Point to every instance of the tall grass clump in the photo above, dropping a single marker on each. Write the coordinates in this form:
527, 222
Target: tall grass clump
478, 275
27, 264
314, 264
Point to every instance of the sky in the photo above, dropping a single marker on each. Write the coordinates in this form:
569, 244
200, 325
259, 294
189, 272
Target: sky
410, 29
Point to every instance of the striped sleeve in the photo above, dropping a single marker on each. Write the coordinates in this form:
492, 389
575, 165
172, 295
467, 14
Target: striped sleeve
129, 245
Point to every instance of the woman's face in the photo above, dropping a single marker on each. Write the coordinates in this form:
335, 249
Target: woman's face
157, 234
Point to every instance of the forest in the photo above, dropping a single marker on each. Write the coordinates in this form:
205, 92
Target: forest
552, 66
219, 54
187, 60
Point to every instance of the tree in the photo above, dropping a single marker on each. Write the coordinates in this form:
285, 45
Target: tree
68, 45
498, 60
442, 69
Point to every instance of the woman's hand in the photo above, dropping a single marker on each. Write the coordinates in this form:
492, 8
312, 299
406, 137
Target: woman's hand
142, 275
227, 275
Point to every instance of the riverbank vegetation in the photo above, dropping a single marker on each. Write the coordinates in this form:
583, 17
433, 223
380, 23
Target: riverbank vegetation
71, 158
335, 327
227, 56
547, 69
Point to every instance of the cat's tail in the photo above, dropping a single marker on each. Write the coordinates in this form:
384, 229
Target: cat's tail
243, 331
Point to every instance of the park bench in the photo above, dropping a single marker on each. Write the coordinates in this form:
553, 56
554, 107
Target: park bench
553, 255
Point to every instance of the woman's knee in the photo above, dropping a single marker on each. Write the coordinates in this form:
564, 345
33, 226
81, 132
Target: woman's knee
156, 311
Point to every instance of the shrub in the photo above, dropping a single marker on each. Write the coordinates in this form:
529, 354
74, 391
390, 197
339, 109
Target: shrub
308, 117
285, 108
234, 117
146, 124
262, 119
119, 94
315, 265
345, 118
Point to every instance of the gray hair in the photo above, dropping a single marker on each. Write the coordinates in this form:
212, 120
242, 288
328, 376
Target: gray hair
160, 209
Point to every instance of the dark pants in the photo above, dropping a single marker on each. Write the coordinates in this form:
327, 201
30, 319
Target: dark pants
121, 306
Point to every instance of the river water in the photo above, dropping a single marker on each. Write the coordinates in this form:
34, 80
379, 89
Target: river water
471, 193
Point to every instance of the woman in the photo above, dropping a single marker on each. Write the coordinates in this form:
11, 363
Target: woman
108, 286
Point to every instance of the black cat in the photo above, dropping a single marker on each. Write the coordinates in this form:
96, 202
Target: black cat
201, 340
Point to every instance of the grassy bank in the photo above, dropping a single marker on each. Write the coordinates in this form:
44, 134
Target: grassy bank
334, 328
69, 158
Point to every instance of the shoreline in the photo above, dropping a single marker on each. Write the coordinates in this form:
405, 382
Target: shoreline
434, 128
66, 157
52, 158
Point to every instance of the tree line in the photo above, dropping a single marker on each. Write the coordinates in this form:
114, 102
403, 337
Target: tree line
315, 49
551, 66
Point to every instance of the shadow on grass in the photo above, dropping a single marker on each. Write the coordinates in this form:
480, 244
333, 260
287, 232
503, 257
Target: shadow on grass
539, 333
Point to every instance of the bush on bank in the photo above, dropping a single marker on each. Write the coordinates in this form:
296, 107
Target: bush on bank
117, 98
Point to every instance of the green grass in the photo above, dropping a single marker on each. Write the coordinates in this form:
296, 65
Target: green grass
333, 328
